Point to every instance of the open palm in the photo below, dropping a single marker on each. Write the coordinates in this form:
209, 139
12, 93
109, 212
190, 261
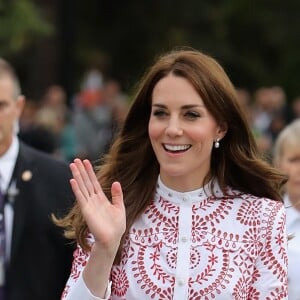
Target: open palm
106, 219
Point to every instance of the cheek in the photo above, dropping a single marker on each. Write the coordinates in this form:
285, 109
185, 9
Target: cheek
206, 141
202, 137
11, 115
154, 130
293, 171
286, 168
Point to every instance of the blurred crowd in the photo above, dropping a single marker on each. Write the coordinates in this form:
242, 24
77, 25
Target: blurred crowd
85, 125
82, 126
268, 111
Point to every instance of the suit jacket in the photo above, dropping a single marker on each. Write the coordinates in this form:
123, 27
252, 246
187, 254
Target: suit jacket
41, 257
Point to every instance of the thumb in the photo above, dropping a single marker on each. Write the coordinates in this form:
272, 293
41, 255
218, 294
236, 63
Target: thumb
117, 194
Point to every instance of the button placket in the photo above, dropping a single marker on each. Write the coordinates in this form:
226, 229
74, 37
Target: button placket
181, 282
183, 254
185, 198
184, 239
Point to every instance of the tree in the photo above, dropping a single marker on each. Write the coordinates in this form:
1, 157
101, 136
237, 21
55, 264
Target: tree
21, 24
256, 40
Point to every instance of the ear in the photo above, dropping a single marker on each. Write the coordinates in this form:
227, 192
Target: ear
20, 105
222, 130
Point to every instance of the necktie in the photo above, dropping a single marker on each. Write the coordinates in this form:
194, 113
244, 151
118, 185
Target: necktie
2, 246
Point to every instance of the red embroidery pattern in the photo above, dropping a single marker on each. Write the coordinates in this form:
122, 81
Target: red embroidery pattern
79, 262
229, 259
121, 283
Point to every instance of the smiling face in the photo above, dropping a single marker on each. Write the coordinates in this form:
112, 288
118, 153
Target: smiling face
182, 133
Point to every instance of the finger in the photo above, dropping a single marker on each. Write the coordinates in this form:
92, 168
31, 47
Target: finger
81, 199
117, 195
93, 178
84, 180
78, 177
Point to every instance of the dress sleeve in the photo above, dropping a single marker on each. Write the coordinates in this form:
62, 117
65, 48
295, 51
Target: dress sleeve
76, 288
269, 281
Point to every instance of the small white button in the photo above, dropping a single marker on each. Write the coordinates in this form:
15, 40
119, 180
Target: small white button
180, 282
185, 198
184, 239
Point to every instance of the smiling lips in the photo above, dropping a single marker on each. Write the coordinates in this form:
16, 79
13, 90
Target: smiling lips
176, 148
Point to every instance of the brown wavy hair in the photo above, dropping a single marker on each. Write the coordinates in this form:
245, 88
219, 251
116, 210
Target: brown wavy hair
132, 162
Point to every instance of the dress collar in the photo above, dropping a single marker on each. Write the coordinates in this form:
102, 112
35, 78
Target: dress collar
192, 196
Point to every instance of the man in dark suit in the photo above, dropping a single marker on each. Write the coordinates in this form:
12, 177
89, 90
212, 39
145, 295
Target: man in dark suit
37, 258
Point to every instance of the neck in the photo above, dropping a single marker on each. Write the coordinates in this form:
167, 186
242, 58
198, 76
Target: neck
5, 144
181, 185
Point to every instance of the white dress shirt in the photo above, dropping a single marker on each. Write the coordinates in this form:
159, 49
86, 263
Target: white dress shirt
293, 229
7, 164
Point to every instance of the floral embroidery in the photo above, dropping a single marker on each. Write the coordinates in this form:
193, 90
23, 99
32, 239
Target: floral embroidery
227, 259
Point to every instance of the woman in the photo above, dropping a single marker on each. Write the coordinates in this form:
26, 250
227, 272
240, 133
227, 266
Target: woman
184, 207
287, 159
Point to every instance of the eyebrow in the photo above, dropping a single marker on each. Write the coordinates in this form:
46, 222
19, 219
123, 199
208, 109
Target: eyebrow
188, 106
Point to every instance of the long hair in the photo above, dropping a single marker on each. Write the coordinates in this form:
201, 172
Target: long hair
131, 159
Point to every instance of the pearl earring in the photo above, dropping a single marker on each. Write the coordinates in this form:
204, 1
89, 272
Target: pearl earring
217, 144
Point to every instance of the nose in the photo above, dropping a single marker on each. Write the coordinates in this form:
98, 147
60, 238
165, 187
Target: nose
174, 128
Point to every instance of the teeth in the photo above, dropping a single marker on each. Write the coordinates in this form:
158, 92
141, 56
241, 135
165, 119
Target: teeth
177, 147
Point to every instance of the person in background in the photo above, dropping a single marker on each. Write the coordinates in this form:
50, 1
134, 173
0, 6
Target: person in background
41, 134
29, 111
245, 101
55, 100
287, 159
182, 206
117, 101
35, 258
92, 118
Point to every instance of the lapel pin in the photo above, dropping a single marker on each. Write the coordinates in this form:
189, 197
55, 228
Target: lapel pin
26, 175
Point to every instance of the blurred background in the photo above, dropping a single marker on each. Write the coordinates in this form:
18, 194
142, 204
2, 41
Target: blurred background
92, 52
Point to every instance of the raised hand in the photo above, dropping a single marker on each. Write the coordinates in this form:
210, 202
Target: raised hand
106, 220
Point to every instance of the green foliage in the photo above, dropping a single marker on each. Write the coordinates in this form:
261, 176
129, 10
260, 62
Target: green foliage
21, 24
257, 41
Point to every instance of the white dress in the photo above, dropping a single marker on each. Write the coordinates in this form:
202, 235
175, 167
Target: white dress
197, 245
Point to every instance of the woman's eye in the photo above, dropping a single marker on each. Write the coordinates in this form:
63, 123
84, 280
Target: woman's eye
159, 113
192, 115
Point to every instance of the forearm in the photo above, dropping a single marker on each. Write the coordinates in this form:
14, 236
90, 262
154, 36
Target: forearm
97, 271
